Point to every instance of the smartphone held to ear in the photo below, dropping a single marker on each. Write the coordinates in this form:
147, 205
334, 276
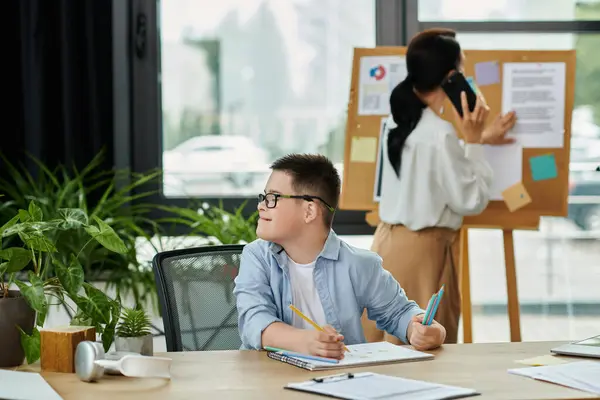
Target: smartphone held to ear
453, 85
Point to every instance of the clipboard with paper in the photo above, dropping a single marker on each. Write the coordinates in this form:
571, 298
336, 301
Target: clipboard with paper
369, 385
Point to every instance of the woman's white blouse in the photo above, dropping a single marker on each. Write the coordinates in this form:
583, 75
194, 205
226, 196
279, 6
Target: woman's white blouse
440, 179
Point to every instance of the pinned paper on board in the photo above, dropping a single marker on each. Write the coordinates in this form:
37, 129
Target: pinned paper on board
516, 197
378, 76
507, 163
380, 157
472, 83
487, 73
536, 92
543, 167
363, 149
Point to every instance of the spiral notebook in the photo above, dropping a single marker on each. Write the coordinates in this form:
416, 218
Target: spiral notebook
359, 355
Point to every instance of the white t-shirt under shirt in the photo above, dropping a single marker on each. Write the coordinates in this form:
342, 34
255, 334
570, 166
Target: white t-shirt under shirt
440, 180
304, 295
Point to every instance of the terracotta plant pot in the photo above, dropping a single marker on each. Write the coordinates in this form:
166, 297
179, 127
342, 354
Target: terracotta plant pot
14, 311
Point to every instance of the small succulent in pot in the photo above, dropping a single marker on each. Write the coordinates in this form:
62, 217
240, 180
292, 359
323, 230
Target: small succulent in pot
133, 332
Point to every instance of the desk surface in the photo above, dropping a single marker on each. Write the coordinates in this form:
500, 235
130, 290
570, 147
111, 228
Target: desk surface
252, 375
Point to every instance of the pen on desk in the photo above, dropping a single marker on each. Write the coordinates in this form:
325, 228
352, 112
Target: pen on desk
310, 321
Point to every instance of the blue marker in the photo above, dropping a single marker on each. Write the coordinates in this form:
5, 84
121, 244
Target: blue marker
433, 307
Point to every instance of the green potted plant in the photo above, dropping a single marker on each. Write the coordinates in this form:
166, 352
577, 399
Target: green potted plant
116, 196
27, 266
133, 332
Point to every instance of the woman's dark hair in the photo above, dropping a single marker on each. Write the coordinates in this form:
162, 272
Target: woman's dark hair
430, 56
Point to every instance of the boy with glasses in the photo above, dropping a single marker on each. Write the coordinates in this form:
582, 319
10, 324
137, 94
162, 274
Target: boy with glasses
300, 261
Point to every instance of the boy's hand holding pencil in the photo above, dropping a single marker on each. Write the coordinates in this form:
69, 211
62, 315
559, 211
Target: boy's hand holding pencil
327, 343
323, 341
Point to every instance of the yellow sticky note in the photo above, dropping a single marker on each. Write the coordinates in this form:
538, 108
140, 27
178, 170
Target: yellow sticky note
363, 149
540, 361
516, 197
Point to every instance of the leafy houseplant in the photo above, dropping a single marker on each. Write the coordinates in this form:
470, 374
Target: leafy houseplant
41, 238
214, 223
113, 196
133, 332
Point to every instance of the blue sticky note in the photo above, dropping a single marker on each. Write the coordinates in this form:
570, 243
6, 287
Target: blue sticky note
543, 167
487, 73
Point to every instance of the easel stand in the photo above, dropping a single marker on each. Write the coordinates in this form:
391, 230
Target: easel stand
514, 316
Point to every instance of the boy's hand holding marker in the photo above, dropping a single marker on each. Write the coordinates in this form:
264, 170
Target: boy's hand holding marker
425, 333
425, 337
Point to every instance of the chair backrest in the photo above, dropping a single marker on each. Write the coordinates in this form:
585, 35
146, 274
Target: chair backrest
195, 292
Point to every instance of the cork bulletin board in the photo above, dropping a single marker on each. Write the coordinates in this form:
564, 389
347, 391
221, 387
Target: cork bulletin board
538, 84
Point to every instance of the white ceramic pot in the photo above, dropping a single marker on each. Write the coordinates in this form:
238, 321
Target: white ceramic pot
142, 345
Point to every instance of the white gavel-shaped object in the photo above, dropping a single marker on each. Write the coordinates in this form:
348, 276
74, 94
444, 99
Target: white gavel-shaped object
91, 363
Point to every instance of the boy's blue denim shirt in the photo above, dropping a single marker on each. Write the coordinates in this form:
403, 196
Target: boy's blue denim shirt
348, 280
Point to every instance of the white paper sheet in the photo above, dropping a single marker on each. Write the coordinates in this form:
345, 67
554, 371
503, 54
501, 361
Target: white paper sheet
536, 92
18, 385
507, 164
582, 375
380, 158
377, 78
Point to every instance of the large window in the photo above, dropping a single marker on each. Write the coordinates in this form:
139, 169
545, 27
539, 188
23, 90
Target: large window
247, 81
506, 10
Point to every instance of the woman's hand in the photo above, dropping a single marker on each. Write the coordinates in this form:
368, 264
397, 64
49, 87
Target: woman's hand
472, 122
496, 133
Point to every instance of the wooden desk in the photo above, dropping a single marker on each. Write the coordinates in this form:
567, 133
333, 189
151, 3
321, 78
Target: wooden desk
252, 375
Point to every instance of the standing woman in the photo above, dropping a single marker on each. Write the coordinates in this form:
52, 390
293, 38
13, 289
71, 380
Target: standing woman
429, 180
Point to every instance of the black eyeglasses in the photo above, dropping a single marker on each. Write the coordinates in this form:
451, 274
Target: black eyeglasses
270, 199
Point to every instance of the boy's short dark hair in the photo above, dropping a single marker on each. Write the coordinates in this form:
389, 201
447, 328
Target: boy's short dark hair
313, 175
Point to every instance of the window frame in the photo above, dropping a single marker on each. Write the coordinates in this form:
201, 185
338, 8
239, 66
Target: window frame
144, 150
556, 26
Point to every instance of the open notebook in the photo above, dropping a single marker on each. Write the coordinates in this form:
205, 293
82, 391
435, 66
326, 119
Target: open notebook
359, 355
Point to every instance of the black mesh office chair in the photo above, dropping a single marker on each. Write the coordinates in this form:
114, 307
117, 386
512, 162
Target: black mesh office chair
195, 292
